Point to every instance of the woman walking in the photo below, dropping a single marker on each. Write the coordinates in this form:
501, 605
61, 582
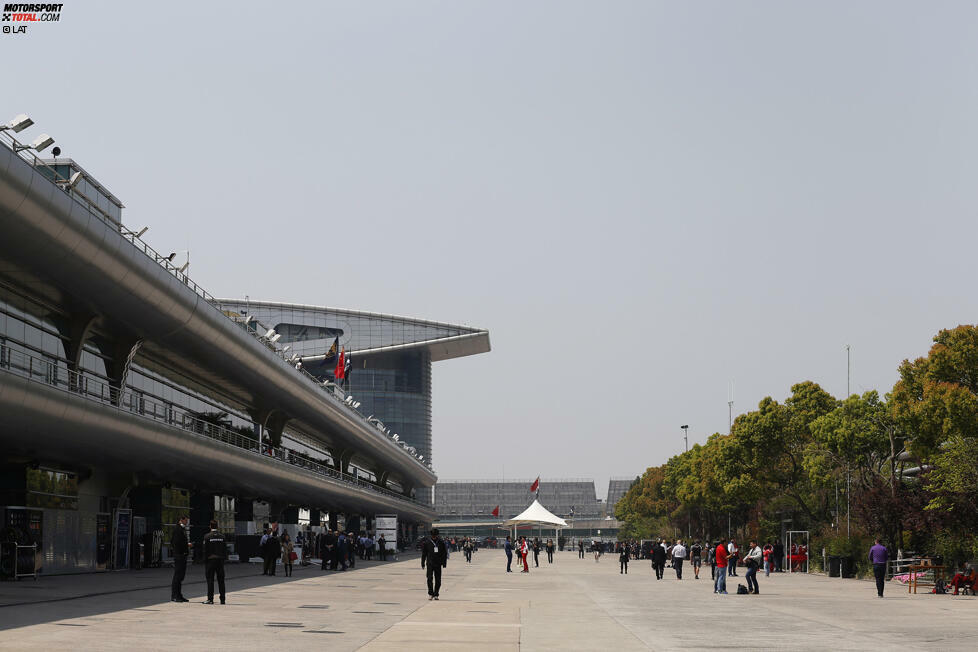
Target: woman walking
768, 553
287, 554
623, 559
550, 551
753, 561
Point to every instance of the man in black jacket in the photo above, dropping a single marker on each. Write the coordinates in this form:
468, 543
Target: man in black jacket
179, 548
658, 559
435, 555
215, 552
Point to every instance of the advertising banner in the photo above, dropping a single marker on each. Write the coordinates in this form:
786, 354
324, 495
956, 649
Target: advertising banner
386, 524
120, 540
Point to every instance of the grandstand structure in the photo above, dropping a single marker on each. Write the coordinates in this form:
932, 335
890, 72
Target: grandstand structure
474, 500
617, 487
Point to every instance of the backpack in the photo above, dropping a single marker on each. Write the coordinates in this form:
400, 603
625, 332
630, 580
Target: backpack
741, 589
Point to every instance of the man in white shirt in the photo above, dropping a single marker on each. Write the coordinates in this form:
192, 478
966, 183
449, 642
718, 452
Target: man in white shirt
732, 551
678, 555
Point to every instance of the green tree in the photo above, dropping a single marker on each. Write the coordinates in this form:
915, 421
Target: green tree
936, 397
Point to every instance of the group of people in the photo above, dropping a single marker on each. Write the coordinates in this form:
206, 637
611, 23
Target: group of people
273, 547
215, 554
339, 550
523, 547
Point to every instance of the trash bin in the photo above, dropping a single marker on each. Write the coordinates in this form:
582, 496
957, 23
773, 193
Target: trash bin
848, 567
835, 565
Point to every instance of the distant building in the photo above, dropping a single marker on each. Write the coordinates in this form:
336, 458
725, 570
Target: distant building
617, 488
475, 499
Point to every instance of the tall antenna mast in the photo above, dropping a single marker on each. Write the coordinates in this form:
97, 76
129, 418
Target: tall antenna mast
730, 402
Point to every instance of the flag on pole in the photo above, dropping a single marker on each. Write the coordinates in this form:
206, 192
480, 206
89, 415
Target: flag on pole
333, 350
536, 485
495, 512
340, 372
348, 368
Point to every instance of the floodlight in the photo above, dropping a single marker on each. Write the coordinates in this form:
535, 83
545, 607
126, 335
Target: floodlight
249, 319
287, 347
171, 256
396, 437
276, 337
271, 331
141, 231
42, 142
73, 181
185, 266
18, 124
356, 405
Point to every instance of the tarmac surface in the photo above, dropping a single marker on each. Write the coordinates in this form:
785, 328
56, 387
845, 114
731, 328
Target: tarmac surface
571, 605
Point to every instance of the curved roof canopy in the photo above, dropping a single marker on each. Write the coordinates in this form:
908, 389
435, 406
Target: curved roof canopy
536, 514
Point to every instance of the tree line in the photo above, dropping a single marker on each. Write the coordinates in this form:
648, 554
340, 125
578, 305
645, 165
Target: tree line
903, 467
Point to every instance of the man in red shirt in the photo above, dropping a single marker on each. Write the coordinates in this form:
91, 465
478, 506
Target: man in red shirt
720, 586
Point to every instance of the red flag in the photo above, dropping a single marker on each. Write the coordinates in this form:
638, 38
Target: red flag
536, 485
495, 512
340, 372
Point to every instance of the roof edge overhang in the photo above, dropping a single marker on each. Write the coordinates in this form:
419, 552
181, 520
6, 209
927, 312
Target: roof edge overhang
443, 348
352, 313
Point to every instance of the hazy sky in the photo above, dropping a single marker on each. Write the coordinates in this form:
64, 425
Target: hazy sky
642, 201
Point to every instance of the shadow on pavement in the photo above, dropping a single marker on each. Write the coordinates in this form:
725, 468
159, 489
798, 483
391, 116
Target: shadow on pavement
60, 597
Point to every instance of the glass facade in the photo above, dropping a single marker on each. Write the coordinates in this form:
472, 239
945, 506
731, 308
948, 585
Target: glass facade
393, 386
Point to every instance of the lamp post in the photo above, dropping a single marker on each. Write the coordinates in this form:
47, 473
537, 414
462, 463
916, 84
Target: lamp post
689, 517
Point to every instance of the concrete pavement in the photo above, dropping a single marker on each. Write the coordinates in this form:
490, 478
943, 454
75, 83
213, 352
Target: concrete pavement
572, 605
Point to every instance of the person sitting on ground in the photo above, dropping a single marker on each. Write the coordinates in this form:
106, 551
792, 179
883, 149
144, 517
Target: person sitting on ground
966, 578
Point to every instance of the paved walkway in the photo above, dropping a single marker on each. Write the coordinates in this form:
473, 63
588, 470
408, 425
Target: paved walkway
571, 605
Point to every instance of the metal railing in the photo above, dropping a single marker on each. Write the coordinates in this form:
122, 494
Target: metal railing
54, 372
28, 155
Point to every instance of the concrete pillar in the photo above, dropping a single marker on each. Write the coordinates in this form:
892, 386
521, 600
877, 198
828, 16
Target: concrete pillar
333, 525
121, 353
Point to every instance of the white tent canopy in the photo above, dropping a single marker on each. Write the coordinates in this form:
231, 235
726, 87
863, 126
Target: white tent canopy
536, 514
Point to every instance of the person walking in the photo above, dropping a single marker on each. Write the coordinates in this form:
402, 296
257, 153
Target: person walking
732, 551
878, 556
778, 556
179, 548
696, 558
623, 560
711, 557
536, 552
288, 550
596, 549
720, 585
550, 551
753, 561
434, 555
215, 552
768, 554
508, 548
382, 547
658, 559
678, 555
580, 549
342, 551
328, 550
524, 550
274, 551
